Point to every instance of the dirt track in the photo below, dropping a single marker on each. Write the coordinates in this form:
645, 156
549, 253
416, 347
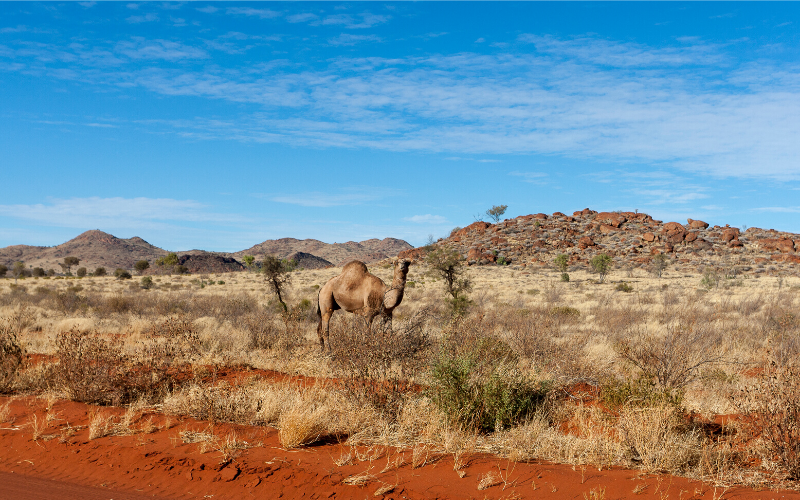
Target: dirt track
64, 463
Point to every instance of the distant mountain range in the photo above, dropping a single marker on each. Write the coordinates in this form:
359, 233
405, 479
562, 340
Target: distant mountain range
98, 249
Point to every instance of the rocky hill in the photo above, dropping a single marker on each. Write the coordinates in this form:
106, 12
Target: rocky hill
308, 261
94, 248
98, 249
630, 238
368, 251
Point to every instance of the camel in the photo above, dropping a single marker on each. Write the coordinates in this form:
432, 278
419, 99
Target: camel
359, 292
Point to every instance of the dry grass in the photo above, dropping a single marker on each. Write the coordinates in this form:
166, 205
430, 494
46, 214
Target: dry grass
670, 347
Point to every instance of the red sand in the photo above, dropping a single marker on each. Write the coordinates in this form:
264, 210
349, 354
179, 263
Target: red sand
159, 465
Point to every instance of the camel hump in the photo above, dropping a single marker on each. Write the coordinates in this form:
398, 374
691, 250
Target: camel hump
354, 266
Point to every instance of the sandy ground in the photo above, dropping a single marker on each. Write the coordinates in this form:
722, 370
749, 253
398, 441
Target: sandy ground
63, 463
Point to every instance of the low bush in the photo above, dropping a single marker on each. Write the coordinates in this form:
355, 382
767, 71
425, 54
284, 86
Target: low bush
12, 356
480, 387
771, 407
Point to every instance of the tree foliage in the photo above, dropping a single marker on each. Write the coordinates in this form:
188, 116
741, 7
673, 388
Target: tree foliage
141, 266
448, 265
496, 212
562, 262
602, 265
18, 270
659, 263
248, 260
66, 266
81, 272
3, 270
277, 273
169, 260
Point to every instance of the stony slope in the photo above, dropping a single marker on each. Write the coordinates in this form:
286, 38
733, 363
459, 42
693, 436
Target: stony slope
94, 248
369, 251
98, 249
630, 238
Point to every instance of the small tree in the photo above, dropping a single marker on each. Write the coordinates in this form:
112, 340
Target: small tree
277, 273
3, 271
602, 265
141, 266
18, 270
659, 262
562, 264
122, 274
449, 266
169, 260
100, 271
496, 212
248, 260
147, 282
81, 272
66, 266
38, 272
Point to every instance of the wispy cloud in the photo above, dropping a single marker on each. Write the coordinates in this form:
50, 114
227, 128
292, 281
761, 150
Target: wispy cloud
363, 20
208, 9
350, 39
140, 48
249, 11
147, 18
585, 97
353, 196
121, 212
426, 219
532, 177
784, 210
302, 18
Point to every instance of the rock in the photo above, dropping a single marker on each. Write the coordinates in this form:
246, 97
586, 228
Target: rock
649, 237
612, 218
691, 236
540, 216
702, 244
673, 232
584, 212
735, 244
697, 224
730, 234
783, 245
605, 228
412, 254
229, 473
585, 242
788, 258
480, 227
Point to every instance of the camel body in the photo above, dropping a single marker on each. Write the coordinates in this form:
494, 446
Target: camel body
359, 292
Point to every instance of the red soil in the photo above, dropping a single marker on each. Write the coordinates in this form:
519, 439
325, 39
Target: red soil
65, 464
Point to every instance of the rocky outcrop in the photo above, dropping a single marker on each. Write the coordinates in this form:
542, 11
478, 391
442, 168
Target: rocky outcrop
308, 261
209, 263
631, 238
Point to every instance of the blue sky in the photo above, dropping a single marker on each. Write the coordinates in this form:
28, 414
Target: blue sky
220, 125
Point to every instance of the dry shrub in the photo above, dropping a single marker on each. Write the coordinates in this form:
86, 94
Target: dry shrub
12, 356
219, 403
657, 440
302, 424
265, 331
378, 360
93, 368
771, 407
674, 357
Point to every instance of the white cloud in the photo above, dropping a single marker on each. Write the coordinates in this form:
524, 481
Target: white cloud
367, 20
427, 219
120, 212
209, 9
302, 18
147, 18
249, 11
584, 98
353, 196
480, 40
529, 176
139, 48
784, 210
348, 39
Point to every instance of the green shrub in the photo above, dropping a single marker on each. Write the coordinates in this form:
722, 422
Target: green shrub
565, 311
624, 287
147, 282
100, 271
602, 265
642, 391
481, 389
565, 277
122, 274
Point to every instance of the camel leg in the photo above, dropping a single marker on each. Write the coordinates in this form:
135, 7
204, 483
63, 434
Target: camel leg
323, 328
